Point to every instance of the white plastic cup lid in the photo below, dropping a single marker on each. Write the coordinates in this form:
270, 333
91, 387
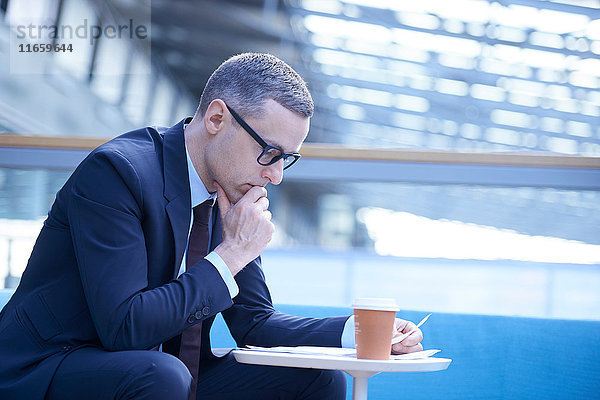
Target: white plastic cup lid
373, 303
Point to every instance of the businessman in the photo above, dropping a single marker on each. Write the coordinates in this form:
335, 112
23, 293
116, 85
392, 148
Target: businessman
155, 233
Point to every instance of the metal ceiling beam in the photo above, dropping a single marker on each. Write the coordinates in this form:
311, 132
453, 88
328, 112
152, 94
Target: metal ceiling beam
224, 12
212, 43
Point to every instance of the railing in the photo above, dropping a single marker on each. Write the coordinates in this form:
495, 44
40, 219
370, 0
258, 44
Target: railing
336, 162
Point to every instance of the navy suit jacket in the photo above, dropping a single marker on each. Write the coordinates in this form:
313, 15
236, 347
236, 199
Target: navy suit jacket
103, 271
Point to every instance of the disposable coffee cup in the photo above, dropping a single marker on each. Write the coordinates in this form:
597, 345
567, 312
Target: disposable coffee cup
374, 327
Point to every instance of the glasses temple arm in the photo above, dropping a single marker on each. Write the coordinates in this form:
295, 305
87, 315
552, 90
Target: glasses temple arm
247, 128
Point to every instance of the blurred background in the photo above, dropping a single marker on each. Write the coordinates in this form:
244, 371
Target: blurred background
431, 77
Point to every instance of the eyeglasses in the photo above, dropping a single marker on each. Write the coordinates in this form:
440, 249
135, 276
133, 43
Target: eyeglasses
270, 154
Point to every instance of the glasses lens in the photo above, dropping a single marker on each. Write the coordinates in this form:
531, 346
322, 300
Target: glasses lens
270, 155
288, 161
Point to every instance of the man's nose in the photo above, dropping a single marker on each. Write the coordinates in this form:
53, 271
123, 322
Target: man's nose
274, 172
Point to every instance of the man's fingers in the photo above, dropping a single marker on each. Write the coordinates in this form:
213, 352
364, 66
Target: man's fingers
412, 342
268, 215
223, 200
398, 348
263, 203
252, 195
413, 339
409, 327
400, 326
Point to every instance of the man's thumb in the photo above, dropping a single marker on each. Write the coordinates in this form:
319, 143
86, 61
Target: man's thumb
223, 200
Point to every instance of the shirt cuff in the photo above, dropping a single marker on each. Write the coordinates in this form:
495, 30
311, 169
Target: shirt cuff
348, 334
225, 273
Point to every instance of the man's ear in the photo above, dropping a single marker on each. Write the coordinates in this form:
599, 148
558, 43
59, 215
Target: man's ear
215, 116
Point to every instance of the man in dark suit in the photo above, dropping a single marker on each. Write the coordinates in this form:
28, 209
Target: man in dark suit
136, 256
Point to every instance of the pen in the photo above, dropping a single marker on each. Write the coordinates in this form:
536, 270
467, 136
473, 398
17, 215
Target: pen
400, 338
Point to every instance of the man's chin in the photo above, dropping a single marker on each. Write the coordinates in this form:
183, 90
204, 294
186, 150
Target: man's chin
238, 194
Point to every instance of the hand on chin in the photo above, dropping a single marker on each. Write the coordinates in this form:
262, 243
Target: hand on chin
238, 192
243, 189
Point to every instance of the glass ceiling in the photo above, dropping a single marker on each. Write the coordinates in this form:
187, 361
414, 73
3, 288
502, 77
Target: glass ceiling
454, 75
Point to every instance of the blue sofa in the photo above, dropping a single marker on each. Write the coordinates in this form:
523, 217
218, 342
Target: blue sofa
493, 357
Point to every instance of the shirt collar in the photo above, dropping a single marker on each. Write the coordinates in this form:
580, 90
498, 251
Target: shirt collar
198, 191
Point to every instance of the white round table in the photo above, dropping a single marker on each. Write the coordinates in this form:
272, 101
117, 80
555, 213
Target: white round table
360, 370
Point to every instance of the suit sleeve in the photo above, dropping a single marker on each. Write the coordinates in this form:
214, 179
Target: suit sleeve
106, 216
252, 320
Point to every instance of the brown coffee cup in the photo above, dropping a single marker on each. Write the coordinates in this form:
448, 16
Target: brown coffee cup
374, 327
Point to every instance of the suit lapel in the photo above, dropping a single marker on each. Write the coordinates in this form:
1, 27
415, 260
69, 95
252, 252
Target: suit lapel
177, 189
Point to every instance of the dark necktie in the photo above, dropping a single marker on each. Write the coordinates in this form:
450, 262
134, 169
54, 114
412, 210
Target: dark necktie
191, 338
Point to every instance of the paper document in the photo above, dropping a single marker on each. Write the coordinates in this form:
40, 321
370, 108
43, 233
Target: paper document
336, 351
324, 351
415, 356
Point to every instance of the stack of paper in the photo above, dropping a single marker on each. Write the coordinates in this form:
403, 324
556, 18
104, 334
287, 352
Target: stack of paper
323, 351
415, 356
337, 351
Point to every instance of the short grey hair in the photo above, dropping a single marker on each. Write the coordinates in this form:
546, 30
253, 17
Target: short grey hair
246, 81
